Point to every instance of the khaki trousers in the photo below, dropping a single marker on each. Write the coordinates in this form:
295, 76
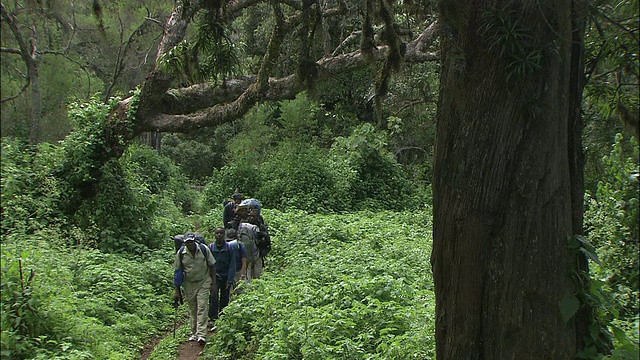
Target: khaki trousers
197, 298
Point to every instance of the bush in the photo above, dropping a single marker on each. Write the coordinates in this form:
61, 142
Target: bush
161, 176
240, 175
357, 173
372, 175
138, 203
295, 176
31, 195
197, 155
612, 226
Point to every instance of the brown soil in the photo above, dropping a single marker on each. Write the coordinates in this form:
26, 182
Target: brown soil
188, 350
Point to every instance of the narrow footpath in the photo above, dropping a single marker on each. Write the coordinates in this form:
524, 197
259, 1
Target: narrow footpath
187, 350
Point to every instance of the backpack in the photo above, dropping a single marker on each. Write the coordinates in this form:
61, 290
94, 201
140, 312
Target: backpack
179, 275
252, 204
247, 235
237, 248
178, 240
263, 240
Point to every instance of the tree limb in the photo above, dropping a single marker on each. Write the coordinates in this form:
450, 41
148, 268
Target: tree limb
202, 105
24, 87
10, 51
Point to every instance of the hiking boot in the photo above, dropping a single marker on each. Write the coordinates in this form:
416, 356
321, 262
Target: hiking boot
201, 341
193, 338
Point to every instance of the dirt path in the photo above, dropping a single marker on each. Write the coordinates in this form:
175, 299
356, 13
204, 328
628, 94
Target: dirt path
187, 350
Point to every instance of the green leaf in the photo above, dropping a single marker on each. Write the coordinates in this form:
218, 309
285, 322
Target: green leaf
588, 249
568, 305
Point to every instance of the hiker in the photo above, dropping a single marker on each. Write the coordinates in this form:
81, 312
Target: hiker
253, 234
241, 261
225, 274
247, 236
230, 209
241, 255
263, 240
198, 264
242, 214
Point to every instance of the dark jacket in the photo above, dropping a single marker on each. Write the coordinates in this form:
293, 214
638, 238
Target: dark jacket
228, 214
225, 260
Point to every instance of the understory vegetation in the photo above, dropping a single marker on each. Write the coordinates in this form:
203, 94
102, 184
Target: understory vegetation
340, 284
354, 286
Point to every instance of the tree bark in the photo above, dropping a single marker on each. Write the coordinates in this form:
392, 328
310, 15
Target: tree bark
36, 102
503, 186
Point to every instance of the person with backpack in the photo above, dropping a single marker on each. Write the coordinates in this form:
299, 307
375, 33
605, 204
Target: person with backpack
248, 237
225, 274
195, 271
229, 212
253, 234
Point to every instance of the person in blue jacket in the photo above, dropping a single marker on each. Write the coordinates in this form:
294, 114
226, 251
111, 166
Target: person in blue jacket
225, 273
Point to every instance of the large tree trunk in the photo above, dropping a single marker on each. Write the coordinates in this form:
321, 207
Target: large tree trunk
503, 182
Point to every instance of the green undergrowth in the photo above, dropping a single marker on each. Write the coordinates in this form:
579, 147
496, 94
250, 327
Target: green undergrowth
65, 302
354, 286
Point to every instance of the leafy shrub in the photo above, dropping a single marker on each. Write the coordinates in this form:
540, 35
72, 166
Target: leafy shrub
21, 318
161, 176
376, 180
612, 223
197, 154
240, 175
295, 176
30, 193
119, 213
358, 173
87, 149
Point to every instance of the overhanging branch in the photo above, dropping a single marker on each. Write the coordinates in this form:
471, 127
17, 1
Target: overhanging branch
204, 105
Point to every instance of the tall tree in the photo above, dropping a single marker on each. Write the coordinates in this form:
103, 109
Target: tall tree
160, 107
507, 187
27, 49
55, 51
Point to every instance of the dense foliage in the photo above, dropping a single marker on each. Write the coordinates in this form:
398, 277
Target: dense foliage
71, 302
304, 164
613, 227
64, 298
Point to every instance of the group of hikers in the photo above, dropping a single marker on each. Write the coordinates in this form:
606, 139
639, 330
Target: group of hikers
209, 273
